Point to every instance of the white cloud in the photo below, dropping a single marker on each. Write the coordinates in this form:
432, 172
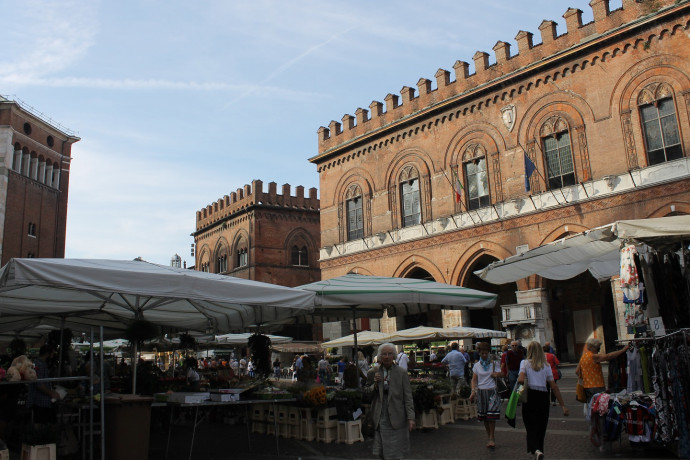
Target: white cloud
47, 36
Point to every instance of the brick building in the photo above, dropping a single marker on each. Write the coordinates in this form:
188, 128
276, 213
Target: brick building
601, 110
262, 236
35, 158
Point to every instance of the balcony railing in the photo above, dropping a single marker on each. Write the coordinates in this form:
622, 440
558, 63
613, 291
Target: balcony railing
521, 313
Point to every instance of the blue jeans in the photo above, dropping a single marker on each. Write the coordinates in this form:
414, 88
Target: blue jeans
512, 378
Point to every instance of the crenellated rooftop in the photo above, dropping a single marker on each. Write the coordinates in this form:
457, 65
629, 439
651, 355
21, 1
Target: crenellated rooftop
254, 195
411, 101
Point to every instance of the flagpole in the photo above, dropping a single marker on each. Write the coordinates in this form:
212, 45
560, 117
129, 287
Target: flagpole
560, 189
524, 153
459, 201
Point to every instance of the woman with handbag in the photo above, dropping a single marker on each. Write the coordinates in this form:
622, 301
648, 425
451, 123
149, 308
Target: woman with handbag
537, 374
589, 367
553, 362
485, 372
392, 406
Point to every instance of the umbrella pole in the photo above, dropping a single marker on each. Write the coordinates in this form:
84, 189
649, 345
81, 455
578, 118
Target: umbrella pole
102, 395
60, 358
134, 366
354, 330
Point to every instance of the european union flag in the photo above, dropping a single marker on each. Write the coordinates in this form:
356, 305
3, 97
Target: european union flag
529, 169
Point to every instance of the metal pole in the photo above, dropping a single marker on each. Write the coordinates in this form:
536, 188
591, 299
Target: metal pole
102, 399
135, 344
91, 392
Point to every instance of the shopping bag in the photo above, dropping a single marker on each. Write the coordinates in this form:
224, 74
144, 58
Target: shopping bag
368, 425
511, 409
522, 389
580, 394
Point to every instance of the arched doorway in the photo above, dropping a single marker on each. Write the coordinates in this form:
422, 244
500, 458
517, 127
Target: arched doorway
580, 308
489, 318
433, 318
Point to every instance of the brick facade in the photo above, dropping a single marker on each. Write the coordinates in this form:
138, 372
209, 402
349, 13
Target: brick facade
35, 160
582, 91
263, 236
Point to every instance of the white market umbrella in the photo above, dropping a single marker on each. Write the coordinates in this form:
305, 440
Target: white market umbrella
354, 296
364, 338
438, 333
120, 291
477, 333
116, 292
243, 338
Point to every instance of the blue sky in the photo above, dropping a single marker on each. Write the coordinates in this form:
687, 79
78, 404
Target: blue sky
180, 103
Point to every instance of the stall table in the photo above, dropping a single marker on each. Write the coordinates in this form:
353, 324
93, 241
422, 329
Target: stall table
207, 406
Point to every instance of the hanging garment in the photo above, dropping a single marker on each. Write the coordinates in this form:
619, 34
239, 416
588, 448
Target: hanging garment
646, 374
628, 273
634, 370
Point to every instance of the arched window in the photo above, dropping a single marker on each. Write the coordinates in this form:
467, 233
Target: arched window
355, 217
558, 156
299, 256
205, 267
17, 159
476, 177
410, 202
222, 264
242, 257
659, 123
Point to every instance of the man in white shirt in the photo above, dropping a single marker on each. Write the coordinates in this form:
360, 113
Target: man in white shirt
402, 360
455, 361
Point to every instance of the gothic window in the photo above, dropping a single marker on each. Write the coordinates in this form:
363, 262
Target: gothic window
476, 177
410, 197
32, 229
560, 168
205, 267
222, 264
355, 217
659, 124
242, 257
299, 256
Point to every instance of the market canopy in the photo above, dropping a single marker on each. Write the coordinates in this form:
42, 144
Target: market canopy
477, 333
297, 347
369, 296
243, 338
364, 338
596, 250
421, 333
112, 292
355, 296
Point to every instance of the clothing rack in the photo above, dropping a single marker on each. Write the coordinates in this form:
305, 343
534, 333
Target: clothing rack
683, 331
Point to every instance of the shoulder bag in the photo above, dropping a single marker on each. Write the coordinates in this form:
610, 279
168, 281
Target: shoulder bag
368, 424
501, 386
580, 394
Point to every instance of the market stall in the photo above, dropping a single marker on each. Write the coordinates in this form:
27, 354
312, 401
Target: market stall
115, 295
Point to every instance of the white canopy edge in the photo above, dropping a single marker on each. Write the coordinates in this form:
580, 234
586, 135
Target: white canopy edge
596, 250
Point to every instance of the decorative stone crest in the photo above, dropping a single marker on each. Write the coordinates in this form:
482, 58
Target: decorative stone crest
508, 115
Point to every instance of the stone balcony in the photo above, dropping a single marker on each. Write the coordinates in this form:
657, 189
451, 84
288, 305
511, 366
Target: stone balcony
526, 313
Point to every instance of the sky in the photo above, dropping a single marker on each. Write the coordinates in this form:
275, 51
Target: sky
180, 103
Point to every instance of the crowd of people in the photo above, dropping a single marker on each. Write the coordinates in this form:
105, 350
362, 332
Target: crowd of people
386, 380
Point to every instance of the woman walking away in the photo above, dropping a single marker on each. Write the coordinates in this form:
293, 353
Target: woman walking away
589, 367
484, 374
535, 412
392, 405
553, 362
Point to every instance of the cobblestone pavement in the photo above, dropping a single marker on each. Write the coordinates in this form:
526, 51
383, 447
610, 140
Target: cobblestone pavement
566, 438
